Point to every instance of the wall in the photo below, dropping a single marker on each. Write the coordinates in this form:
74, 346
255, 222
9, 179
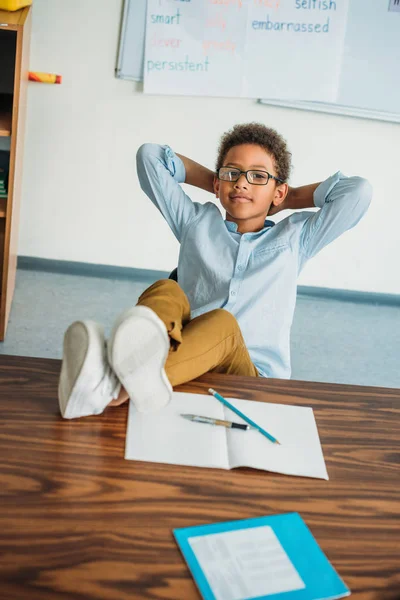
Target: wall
81, 199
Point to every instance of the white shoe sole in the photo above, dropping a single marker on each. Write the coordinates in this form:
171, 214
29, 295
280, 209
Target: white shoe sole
84, 346
137, 351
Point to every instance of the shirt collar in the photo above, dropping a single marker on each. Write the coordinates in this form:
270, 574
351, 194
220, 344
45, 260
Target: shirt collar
231, 226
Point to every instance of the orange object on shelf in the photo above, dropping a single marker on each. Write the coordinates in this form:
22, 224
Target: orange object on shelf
14, 4
44, 77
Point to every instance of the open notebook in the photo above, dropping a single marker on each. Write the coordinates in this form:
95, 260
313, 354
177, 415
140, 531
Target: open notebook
165, 437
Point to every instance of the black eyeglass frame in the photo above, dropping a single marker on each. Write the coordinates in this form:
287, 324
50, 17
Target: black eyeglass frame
247, 178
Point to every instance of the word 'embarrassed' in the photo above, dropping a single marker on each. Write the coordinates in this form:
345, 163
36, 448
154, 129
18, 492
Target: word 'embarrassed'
269, 25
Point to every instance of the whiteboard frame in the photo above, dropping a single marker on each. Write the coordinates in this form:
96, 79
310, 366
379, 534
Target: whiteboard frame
121, 48
335, 109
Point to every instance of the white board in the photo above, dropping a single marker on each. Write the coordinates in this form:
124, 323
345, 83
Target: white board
370, 86
239, 48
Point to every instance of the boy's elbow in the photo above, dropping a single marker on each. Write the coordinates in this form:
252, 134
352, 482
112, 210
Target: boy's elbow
364, 191
361, 194
147, 157
144, 151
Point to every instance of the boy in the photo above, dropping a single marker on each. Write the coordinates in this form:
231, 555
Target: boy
232, 308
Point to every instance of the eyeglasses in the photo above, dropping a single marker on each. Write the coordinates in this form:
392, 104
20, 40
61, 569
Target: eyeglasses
253, 176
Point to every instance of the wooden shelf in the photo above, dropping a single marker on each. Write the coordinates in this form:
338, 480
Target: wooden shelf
3, 207
5, 124
5, 114
13, 19
15, 28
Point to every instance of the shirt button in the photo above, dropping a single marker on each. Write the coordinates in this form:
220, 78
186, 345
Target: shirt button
233, 293
240, 268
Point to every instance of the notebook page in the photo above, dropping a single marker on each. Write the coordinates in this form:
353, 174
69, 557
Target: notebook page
165, 437
245, 563
300, 452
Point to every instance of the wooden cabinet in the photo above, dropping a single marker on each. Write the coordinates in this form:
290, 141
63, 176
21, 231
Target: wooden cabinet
14, 66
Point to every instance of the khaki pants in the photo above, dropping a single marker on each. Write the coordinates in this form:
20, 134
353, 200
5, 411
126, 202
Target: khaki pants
211, 342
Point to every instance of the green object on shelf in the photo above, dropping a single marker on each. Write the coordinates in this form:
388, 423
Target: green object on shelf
4, 167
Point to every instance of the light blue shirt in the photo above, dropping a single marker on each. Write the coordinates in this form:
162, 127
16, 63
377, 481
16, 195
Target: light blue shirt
252, 275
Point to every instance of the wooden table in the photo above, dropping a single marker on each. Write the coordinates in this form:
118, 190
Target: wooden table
78, 521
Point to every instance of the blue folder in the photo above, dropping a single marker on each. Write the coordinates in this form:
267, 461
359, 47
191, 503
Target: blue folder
291, 541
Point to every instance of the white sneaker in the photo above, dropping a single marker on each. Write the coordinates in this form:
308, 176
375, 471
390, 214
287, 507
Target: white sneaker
87, 383
137, 351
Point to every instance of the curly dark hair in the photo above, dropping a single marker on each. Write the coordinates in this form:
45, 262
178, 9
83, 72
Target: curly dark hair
259, 134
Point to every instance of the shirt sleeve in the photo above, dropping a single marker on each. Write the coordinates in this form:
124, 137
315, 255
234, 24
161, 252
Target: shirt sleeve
160, 173
342, 201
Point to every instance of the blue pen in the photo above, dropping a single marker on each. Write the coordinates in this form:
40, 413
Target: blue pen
240, 414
